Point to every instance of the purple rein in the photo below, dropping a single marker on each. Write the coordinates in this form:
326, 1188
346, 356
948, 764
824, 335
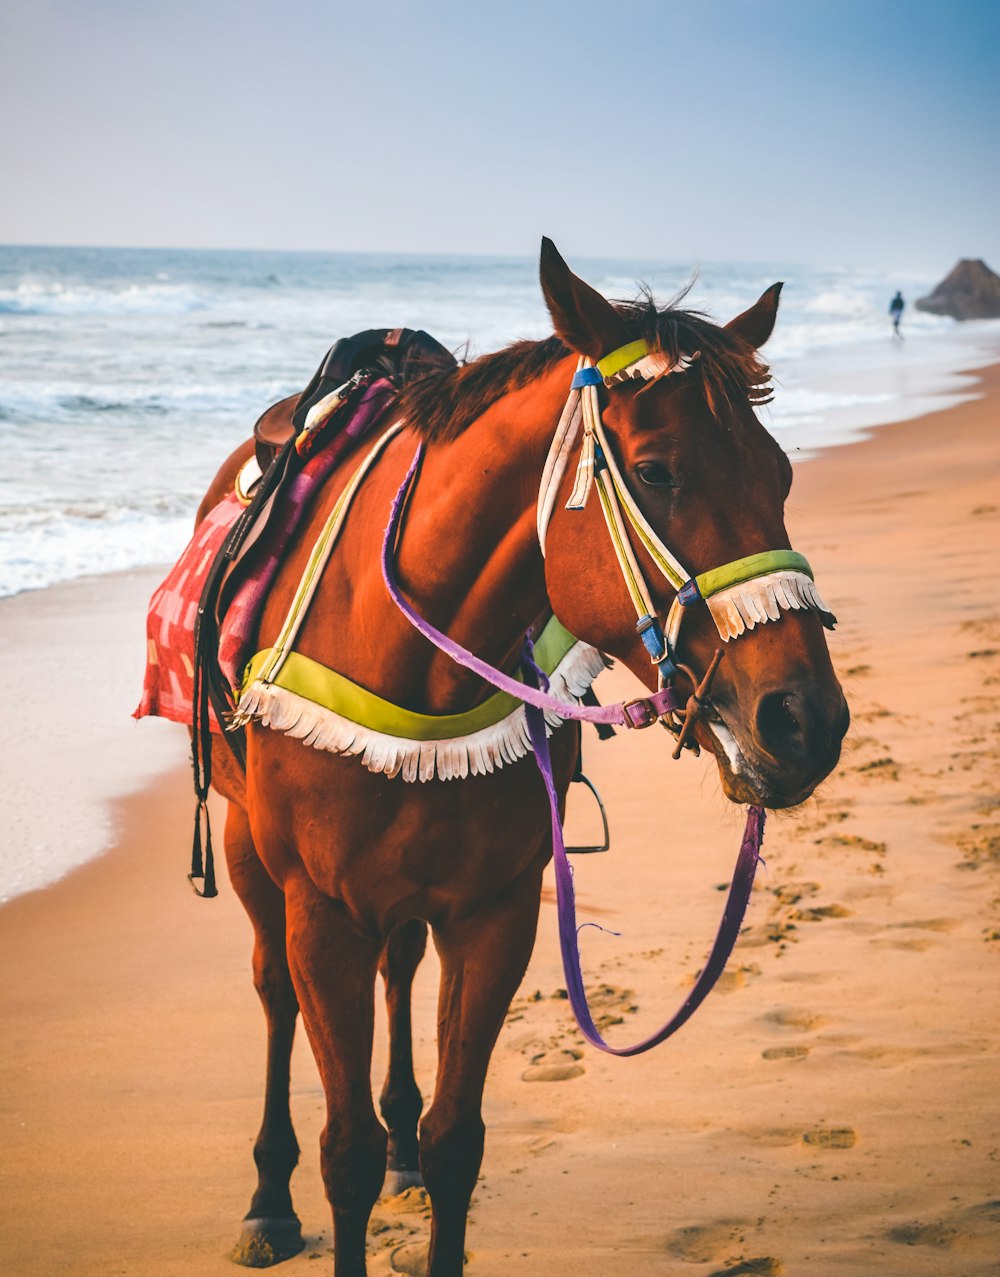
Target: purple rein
637, 713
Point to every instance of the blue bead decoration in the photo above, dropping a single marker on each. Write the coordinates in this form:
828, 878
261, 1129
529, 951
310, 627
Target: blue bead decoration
689, 593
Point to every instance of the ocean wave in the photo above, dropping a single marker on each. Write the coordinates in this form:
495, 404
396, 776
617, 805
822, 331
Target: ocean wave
53, 297
163, 360
800, 405
39, 548
53, 401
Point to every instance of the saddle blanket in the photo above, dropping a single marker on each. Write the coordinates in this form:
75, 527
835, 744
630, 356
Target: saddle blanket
168, 687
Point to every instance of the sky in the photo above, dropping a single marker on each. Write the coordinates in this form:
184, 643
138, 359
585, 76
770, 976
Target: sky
826, 132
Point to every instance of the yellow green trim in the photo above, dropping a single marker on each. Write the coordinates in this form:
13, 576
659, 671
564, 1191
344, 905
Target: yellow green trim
622, 357
323, 686
631, 584
313, 565
654, 550
753, 565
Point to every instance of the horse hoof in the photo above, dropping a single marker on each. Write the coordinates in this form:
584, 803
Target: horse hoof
264, 1242
397, 1182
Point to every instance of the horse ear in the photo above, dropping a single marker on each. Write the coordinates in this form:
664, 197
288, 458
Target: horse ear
582, 318
756, 324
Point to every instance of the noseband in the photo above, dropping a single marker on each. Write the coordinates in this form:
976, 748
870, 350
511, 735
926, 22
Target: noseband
740, 595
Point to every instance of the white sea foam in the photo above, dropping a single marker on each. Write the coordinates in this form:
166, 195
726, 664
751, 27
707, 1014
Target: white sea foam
128, 376
52, 297
39, 547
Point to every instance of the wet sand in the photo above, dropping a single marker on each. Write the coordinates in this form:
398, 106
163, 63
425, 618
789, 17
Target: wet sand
832, 1109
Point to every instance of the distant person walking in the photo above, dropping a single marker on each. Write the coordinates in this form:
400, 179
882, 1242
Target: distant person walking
896, 311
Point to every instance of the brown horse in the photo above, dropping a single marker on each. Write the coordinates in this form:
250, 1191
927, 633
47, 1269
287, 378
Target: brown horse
342, 870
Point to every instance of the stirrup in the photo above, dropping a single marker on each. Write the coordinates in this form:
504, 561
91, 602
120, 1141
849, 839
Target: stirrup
580, 779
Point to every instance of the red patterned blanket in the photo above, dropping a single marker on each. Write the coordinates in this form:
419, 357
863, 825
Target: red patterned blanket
168, 688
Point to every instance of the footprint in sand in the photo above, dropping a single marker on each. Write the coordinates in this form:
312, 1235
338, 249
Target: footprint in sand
853, 841
979, 846
879, 769
819, 912
924, 924
608, 1003
554, 1066
785, 1053
731, 979
970, 1229
794, 1018
774, 1136
939, 1235
790, 893
762, 1266
870, 715
917, 944
830, 1137
706, 1243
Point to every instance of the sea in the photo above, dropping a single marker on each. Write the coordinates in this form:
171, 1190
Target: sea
127, 375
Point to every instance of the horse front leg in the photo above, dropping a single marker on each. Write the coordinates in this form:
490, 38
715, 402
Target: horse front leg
401, 1101
333, 967
271, 1230
483, 960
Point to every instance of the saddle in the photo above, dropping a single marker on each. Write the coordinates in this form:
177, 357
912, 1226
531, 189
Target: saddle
397, 354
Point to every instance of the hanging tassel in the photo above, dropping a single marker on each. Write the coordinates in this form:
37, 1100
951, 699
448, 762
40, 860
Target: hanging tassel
203, 869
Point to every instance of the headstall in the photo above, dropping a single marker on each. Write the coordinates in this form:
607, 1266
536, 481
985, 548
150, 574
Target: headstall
740, 595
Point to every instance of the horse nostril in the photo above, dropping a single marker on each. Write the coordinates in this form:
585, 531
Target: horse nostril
779, 726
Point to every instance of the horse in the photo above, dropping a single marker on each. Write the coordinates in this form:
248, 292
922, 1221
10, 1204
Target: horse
343, 869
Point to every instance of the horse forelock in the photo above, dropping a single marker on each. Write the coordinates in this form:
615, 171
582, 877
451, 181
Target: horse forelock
728, 369
442, 403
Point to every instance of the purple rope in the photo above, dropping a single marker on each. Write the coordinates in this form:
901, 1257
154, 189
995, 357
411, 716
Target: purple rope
729, 928
649, 708
535, 703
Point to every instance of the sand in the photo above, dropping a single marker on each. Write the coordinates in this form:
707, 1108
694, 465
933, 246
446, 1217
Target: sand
833, 1107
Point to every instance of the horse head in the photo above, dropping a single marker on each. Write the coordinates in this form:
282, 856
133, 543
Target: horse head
711, 483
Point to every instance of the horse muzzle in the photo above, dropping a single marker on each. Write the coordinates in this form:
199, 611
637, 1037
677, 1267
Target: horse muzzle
783, 748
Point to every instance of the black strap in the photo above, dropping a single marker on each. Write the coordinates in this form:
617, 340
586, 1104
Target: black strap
210, 685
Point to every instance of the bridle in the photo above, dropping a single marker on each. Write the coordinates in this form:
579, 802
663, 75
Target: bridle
740, 595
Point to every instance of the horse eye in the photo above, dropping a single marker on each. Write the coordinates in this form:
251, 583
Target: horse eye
654, 474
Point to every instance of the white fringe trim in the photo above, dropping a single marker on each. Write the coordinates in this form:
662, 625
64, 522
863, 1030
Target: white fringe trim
651, 366
478, 754
756, 602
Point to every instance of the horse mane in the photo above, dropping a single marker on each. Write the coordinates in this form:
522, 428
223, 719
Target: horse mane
441, 403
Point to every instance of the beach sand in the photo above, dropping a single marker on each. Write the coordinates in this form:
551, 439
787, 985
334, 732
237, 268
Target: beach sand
832, 1109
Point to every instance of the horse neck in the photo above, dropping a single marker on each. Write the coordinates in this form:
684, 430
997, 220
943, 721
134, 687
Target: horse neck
468, 555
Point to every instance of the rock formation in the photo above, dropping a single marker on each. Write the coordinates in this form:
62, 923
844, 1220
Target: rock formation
971, 291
